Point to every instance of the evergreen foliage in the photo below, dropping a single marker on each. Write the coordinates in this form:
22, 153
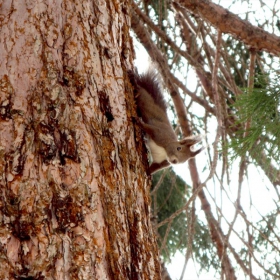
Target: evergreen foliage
260, 108
169, 197
264, 242
172, 195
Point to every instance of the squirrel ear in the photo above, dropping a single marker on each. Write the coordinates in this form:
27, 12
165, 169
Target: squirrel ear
191, 140
193, 154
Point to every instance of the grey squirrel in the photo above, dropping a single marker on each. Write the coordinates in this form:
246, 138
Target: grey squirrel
162, 141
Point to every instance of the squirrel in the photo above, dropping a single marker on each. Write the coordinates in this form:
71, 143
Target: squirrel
161, 140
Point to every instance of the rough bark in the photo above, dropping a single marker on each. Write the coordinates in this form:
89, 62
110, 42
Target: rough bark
73, 205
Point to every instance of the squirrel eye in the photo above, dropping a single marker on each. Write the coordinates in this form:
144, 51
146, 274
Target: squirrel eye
179, 148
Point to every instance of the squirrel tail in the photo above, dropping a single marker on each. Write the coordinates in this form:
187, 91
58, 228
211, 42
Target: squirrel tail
151, 82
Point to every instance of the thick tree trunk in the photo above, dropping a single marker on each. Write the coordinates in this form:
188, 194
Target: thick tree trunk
74, 204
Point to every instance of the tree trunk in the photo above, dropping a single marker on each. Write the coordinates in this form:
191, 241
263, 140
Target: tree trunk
74, 204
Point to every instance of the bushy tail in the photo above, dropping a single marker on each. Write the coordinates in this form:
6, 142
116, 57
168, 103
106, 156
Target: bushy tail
151, 82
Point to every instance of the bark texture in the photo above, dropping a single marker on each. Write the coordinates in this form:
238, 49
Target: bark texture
72, 205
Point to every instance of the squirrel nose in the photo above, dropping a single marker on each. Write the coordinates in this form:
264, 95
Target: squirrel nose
174, 161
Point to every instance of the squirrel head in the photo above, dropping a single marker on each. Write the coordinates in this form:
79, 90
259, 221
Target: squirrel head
181, 151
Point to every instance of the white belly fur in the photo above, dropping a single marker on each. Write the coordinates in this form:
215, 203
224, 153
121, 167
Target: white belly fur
158, 153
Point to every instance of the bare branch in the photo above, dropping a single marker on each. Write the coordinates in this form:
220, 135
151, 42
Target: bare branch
228, 22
